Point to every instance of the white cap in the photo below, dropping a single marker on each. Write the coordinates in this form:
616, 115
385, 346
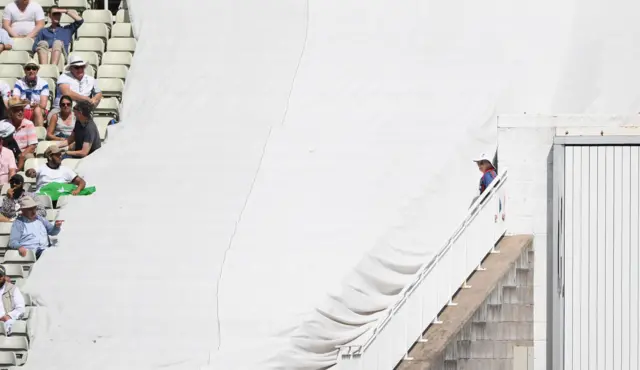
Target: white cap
484, 157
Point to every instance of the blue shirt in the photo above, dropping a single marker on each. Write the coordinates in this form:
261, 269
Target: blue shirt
32, 235
5, 39
62, 33
486, 179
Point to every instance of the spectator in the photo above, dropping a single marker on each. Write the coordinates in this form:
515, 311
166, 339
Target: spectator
23, 18
62, 123
54, 171
6, 42
34, 91
56, 39
8, 166
485, 166
25, 132
30, 231
12, 301
85, 134
11, 203
76, 84
5, 91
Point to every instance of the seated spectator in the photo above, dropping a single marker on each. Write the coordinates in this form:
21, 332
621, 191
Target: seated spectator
62, 123
8, 166
11, 203
56, 38
6, 42
34, 91
30, 231
85, 134
488, 171
76, 84
25, 132
12, 301
54, 171
23, 18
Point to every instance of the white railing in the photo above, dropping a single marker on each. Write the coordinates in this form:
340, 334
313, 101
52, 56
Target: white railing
421, 301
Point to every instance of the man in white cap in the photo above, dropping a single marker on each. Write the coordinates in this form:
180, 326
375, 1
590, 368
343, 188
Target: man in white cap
76, 84
34, 91
12, 302
31, 231
485, 165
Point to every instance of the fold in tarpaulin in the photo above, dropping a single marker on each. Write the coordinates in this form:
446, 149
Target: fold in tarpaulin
57, 189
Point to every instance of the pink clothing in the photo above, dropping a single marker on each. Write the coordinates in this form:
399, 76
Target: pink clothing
25, 135
7, 162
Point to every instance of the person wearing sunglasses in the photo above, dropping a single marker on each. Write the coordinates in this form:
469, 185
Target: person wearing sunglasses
11, 203
55, 39
77, 84
25, 136
34, 91
85, 138
62, 123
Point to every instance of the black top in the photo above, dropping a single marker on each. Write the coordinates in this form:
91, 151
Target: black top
87, 133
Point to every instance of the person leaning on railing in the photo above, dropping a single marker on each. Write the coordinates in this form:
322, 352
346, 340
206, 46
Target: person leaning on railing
488, 171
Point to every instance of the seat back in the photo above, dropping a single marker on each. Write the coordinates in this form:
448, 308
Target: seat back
117, 57
122, 44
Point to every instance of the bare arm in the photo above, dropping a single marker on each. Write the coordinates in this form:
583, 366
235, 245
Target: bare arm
79, 182
86, 147
66, 90
96, 99
43, 101
6, 24
68, 141
29, 149
12, 171
73, 14
36, 29
52, 129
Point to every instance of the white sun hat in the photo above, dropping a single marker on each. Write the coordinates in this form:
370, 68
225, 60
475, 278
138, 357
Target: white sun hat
484, 157
75, 61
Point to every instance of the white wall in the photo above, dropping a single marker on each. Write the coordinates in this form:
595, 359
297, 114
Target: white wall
524, 147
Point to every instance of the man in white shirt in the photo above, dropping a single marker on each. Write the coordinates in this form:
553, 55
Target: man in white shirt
76, 84
34, 91
53, 171
23, 18
12, 302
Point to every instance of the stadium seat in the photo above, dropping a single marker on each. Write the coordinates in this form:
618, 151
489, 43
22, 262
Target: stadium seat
13, 257
35, 163
46, 4
122, 16
11, 81
107, 107
89, 44
7, 360
5, 228
98, 30
18, 329
113, 71
11, 70
102, 123
111, 87
4, 239
71, 162
14, 271
49, 71
4, 3
52, 214
5, 187
42, 146
17, 345
14, 57
27, 299
22, 44
90, 57
52, 86
122, 44
117, 57
79, 5
90, 71
98, 16
122, 30
41, 132
45, 200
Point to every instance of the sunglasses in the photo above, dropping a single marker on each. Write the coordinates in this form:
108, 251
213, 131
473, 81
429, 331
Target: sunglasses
17, 109
65, 104
31, 68
77, 67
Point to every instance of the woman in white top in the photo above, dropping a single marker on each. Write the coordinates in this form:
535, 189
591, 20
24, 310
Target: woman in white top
62, 123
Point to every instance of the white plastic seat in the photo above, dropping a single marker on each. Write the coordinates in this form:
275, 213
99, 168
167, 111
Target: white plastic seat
5, 229
27, 180
11, 70
18, 329
41, 132
90, 71
35, 163
107, 107
17, 345
4, 3
11, 81
4, 239
99, 30
122, 44
42, 146
14, 271
22, 44
14, 57
79, 5
122, 16
71, 163
102, 123
117, 57
7, 359
90, 57
113, 71
89, 44
49, 71
122, 30
13, 257
52, 214
110, 86
47, 3
45, 200
98, 16
27, 299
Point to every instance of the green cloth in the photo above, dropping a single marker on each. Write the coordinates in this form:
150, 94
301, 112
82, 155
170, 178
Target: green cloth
55, 190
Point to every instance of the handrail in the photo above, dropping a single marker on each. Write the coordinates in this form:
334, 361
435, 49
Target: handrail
424, 271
